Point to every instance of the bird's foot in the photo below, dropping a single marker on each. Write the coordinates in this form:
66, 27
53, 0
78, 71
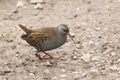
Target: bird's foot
38, 55
55, 58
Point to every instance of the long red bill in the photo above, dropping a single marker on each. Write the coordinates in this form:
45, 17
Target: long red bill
70, 36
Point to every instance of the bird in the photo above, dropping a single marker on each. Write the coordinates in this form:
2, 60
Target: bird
45, 39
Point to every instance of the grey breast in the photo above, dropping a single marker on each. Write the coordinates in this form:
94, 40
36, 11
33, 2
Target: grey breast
52, 44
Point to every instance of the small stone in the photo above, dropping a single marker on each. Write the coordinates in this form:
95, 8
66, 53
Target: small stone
55, 78
37, 1
98, 28
74, 57
72, 16
48, 64
119, 72
113, 67
108, 51
72, 34
95, 58
94, 70
47, 78
86, 57
20, 4
118, 60
63, 70
17, 55
5, 63
91, 42
84, 74
113, 53
15, 11
39, 6
14, 46
83, 24
78, 42
46, 71
9, 40
31, 74
4, 72
63, 75
78, 46
5, 79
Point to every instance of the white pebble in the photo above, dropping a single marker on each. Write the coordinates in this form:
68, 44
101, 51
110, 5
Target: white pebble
84, 24
48, 64
20, 4
31, 74
107, 51
74, 57
95, 58
113, 53
63, 75
72, 34
63, 70
94, 70
46, 71
113, 67
36, 1
39, 6
55, 78
86, 57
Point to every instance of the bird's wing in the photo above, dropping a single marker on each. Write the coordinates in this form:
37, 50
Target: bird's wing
41, 35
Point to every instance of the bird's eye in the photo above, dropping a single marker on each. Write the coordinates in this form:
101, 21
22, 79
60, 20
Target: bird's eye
65, 30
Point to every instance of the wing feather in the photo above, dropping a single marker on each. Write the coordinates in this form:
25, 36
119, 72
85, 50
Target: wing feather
41, 35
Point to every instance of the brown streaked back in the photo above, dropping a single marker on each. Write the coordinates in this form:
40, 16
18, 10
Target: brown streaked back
36, 36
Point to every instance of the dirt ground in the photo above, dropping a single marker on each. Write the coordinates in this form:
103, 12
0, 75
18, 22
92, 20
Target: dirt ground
95, 55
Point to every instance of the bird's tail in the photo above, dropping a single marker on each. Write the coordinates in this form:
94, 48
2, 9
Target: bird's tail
25, 29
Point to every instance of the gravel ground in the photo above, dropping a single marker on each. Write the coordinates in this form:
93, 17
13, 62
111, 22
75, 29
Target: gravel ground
94, 23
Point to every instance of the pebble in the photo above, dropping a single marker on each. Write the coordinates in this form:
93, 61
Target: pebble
63, 75
55, 78
74, 57
5, 79
84, 74
108, 50
31, 74
86, 57
63, 70
83, 24
113, 67
48, 64
113, 53
78, 46
72, 16
94, 70
20, 4
37, 1
91, 42
46, 71
95, 58
72, 34
39, 6
97, 28
118, 60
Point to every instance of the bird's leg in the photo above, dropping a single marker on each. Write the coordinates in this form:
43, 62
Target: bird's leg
38, 55
49, 55
44, 56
